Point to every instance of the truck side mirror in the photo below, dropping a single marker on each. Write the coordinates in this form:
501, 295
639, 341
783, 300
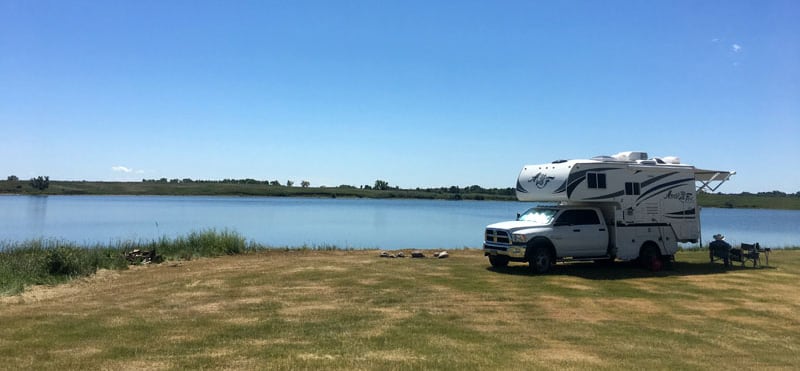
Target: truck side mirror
518, 215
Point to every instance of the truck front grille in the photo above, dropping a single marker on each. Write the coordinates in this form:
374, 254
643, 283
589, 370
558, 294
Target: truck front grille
497, 236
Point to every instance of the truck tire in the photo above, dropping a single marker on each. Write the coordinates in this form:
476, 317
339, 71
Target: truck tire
540, 260
498, 261
650, 257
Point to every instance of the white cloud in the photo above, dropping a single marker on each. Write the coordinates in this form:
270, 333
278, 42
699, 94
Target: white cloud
121, 169
736, 48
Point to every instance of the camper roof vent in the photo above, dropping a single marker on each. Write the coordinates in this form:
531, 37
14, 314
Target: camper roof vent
669, 160
672, 160
630, 156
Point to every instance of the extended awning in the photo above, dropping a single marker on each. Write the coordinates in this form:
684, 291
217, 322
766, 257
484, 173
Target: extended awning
710, 180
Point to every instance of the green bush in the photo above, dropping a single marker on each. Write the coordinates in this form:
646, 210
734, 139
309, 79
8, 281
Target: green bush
204, 243
43, 261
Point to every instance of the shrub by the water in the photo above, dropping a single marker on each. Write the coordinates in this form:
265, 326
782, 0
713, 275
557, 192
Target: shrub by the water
201, 244
45, 261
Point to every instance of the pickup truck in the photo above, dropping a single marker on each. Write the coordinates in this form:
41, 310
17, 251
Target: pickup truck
544, 234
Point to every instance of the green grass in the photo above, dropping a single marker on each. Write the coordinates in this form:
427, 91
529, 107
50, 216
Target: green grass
305, 309
47, 261
41, 262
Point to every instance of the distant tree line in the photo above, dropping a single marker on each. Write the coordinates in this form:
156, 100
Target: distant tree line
770, 194
289, 183
379, 185
41, 182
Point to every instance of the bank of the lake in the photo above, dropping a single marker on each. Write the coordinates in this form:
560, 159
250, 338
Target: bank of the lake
203, 188
260, 189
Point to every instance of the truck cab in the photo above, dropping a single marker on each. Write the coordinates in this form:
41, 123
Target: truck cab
544, 234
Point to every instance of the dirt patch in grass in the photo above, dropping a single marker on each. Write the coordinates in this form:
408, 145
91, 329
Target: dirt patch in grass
132, 365
306, 310
316, 357
326, 268
392, 356
562, 354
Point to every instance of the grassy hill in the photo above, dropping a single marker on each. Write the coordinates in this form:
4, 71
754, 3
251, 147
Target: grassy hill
353, 310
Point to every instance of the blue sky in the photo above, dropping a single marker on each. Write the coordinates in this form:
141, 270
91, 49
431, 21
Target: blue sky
418, 93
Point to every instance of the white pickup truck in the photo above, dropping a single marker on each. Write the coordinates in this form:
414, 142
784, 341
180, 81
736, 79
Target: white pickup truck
545, 234
627, 206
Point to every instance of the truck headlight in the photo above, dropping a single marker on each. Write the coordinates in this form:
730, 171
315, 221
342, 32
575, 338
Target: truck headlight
518, 238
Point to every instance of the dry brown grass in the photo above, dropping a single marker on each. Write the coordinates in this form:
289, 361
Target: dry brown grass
353, 310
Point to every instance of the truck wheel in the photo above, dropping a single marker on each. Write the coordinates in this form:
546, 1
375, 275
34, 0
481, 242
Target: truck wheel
540, 260
650, 258
498, 261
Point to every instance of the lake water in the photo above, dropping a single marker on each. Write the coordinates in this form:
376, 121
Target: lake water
353, 223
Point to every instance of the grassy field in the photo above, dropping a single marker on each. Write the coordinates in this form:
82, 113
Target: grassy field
353, 310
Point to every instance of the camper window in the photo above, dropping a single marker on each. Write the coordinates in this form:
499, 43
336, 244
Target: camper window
632, 188
596, 180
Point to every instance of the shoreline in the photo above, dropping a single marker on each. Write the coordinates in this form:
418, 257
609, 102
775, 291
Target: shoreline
721, 201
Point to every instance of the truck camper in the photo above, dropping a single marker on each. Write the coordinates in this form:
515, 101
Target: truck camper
626, 206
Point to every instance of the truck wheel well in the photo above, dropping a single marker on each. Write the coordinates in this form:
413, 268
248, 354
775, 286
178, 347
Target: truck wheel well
540, 241
649, 244
650, 256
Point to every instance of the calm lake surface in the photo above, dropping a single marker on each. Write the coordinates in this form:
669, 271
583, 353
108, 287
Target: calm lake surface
353, 223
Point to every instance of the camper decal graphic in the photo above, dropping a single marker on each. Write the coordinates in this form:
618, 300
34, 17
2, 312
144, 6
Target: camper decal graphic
540, 180
680, 196
520, 188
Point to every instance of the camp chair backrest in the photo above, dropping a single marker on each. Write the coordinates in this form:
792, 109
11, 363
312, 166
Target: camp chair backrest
750, 252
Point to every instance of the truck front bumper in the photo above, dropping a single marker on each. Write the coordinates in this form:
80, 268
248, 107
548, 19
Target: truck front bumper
512, 251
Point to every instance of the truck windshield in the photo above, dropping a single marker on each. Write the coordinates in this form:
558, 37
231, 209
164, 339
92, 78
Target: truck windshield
538, 216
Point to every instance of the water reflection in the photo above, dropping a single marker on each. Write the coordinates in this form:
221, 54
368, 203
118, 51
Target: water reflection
36, 214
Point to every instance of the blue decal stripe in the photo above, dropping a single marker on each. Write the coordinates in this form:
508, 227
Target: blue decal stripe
520, 188
653, 180
610, 195
561, 188
684, 212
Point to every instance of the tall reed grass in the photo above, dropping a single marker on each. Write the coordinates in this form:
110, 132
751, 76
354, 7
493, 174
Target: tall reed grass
49, 261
